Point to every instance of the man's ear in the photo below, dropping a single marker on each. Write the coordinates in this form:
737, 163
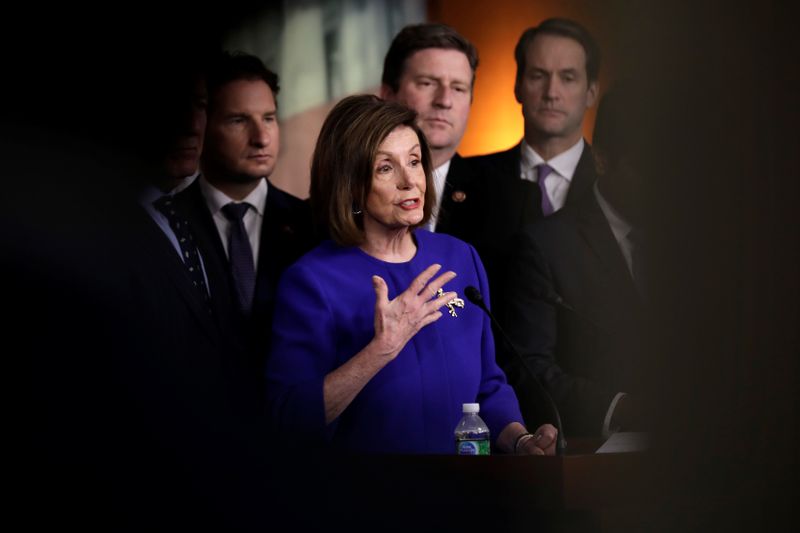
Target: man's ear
517, 91
591, 94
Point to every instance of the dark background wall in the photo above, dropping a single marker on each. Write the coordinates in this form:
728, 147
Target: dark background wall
719, 82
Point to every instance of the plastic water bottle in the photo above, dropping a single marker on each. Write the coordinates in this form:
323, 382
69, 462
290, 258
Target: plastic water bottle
472, 434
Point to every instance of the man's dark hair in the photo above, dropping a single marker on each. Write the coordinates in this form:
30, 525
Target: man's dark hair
562, 28
232, 66
417, 37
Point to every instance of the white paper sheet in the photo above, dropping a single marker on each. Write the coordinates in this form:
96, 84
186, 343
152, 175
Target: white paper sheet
624, 441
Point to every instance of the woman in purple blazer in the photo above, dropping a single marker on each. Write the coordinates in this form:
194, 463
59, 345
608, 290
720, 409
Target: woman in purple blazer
374, 347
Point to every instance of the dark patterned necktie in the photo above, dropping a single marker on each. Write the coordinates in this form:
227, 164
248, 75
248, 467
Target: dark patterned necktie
189, 254
543, 171
240, 255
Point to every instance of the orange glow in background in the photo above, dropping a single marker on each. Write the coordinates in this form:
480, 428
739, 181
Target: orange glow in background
495, 122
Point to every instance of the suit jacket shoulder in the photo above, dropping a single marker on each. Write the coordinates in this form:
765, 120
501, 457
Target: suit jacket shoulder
279, 198
505, 161
286, 233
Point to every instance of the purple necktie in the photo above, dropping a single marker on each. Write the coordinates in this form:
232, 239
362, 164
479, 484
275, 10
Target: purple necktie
240, 256
544, 170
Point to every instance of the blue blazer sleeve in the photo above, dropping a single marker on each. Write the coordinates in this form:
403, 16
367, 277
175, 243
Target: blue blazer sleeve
302, 353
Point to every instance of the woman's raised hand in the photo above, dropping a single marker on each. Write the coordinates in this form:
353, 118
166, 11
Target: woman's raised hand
398, 320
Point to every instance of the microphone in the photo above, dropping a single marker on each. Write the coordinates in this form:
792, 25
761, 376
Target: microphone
475, 296
546, 293
543, 290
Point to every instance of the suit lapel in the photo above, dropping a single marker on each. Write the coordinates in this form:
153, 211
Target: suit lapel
209, 241
456, 216
167, 260
520, 197
200, 218
268, 249
278, 235
584, 177
451, 185
598, 237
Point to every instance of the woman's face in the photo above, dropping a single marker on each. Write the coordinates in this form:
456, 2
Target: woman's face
397, 196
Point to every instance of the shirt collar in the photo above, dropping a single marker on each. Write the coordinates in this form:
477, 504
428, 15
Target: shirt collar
151, 193
184, 183
564, 163
439, 177
216, 198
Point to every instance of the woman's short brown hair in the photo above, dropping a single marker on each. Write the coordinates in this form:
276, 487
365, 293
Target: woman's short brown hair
341, 168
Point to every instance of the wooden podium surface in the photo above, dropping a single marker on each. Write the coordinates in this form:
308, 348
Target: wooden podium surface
520, 489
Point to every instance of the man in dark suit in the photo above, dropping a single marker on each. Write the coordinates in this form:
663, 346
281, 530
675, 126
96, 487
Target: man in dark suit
557, 70
139, 418
176, 282
591, 255
431, 69
166, 250
255, 229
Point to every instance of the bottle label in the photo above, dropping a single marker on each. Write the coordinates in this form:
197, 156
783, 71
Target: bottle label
472, 447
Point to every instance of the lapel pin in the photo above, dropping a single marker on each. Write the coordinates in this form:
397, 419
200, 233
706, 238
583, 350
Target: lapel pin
459, 196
